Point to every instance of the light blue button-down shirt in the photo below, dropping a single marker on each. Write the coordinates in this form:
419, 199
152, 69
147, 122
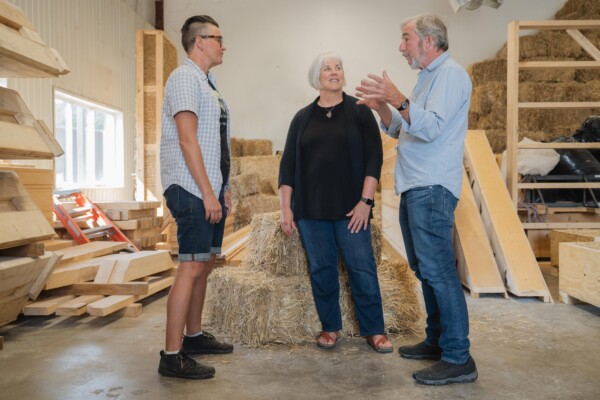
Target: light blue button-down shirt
187, 89
430, 149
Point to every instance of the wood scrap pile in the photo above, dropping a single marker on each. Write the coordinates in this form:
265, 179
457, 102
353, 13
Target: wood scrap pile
138, 220
23, 265
488, 102
270, 299
93, 278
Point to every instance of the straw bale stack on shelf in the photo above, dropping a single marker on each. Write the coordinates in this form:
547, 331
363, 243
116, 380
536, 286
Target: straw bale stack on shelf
488, 102
269, 300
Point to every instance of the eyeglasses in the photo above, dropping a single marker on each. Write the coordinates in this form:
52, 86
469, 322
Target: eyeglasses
219, 39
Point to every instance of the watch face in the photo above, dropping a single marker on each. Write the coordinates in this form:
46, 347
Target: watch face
404, 105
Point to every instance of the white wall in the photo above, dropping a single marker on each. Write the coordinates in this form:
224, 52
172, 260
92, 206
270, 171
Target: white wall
96, 39
271, 43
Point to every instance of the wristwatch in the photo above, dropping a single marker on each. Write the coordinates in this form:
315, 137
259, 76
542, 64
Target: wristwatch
368, 202
404, 105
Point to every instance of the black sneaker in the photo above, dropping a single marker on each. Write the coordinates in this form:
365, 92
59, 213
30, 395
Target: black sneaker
180, 365
443, 373
421, 351
205, 344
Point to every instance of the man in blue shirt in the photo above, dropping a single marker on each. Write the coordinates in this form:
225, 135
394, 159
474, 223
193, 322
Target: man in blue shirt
430, 126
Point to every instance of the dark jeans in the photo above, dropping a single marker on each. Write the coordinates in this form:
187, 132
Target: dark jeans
321, 240
426, 220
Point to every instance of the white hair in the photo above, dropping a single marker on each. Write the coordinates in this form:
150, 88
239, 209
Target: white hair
314, 72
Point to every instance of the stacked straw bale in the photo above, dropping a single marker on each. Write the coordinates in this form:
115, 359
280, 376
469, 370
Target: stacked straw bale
254, 175
488, 102
251, 147
269, 299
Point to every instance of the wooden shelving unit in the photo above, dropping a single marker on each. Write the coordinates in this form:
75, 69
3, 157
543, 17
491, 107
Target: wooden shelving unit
514, 65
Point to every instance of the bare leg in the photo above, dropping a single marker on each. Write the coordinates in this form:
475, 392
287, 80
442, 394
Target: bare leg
180, 297
194, 315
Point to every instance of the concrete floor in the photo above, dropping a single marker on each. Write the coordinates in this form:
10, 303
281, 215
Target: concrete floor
524, 349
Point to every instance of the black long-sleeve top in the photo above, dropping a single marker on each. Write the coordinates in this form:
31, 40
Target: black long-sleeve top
363, 148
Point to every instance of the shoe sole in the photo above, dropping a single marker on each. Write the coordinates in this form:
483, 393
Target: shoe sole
459, 379
195, 352
420, 356
175, 375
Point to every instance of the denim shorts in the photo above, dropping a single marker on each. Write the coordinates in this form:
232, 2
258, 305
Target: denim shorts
198, 239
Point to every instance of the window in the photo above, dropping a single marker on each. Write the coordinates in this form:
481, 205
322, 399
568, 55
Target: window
92, 137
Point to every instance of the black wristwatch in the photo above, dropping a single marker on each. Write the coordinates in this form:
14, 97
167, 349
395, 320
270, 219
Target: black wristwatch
404, 105
369, 202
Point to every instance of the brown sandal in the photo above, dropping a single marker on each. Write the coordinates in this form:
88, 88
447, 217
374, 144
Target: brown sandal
329, 337
376, 344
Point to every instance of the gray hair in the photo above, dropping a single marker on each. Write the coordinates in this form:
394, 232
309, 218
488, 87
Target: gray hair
314, 72
430, 25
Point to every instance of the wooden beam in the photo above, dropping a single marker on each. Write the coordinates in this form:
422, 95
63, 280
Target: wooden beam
72, 274
555, 145
10, 308
27, 250
106, 289
45, 273
77, 306
553, 105
511, 248
559, 64
558, 24
83, 252
133, 266
22, 142
512, 111
13, 16
47, 306
585, 43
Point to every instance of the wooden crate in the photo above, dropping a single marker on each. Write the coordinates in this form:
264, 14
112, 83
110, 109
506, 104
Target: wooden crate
156, 59
570, 235
579, 273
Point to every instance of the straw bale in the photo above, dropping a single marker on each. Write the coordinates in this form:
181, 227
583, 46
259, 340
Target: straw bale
579, 9
492, 70
257, 308
264, 166
269, 185
564, 91
587, 75
249, 206
270, 250
251, 147
548, 74
243, 186
555, 44
488, 96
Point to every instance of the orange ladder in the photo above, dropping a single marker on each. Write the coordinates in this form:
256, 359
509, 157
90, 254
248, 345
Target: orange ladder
87, 212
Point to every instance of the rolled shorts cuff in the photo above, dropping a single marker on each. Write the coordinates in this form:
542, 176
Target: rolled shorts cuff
195, 257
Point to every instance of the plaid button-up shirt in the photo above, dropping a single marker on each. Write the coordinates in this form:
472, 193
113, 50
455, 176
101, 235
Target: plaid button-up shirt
187, 89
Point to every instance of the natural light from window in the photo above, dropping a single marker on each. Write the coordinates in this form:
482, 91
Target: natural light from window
92, 137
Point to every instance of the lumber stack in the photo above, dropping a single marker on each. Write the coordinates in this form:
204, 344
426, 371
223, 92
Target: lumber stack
22, 52
39, 183
92, 278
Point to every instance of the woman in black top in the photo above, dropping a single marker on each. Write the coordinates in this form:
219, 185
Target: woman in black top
327, 179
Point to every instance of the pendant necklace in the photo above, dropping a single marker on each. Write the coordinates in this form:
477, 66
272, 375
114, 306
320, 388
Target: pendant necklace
328, 115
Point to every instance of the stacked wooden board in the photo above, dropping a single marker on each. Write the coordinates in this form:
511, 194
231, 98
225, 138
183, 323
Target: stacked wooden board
39, 183
92, 278
23, 265
22, 52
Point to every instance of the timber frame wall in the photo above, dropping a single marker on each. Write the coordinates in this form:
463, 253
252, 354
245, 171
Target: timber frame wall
156, 59
513, 105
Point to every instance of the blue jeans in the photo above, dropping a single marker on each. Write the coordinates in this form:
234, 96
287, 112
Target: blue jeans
426, 220
321, 240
